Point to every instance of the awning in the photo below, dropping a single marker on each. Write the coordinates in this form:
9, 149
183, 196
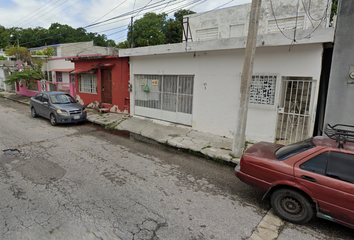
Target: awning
104, 65
61, 70
77, 71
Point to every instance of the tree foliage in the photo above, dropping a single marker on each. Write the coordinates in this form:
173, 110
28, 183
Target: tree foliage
156, 29
57, 33
29, 76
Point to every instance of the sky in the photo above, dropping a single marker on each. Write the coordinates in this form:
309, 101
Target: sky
82, 13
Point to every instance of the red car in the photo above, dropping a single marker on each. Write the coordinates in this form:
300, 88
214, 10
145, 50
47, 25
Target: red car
315, 176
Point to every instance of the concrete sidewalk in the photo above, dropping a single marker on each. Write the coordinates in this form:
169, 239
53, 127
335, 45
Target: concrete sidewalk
210, 145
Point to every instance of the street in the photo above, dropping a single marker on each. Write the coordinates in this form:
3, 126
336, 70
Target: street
80, 181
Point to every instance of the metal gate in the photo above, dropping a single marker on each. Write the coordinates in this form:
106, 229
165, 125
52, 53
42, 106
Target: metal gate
167, 97
294, 111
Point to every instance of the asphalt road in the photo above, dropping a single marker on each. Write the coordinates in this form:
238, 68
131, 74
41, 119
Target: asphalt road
83, 182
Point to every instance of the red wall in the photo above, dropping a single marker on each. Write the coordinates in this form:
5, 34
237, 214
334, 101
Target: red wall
120, 78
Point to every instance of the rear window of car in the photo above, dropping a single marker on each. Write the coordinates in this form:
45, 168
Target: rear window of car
294, 149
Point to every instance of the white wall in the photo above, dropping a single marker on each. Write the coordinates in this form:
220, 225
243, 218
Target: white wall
217, 81
239, 15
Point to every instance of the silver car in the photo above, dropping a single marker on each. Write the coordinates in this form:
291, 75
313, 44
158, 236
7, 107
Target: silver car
58, 107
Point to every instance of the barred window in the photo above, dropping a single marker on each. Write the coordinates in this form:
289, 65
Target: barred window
46, 76
263, 90
88, 83
60, 77
171, 93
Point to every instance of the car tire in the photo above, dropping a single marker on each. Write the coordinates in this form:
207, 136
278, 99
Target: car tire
33, 112
292, 206
53, 120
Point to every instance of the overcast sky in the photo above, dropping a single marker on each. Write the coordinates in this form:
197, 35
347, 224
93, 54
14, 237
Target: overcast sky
81, 13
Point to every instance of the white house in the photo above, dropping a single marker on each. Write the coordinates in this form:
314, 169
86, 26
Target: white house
197, 83
6, 66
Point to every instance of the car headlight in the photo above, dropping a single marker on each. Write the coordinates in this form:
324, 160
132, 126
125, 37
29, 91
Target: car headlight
62, 112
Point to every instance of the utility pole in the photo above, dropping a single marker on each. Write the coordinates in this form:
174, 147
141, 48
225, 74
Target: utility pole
246, 79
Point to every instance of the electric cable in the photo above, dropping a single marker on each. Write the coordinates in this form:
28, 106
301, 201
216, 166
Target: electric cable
60, 11
111, 11
31, 13
45, 13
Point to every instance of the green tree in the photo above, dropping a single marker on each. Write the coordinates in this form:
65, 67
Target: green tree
181, 13
125, 44
31, 73
148, 30
156, 29
29, 76
334, 9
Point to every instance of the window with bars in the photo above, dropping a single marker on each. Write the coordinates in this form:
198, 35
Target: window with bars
263, 89
88, 83
168, 92
59, 77
46, 76
72, 78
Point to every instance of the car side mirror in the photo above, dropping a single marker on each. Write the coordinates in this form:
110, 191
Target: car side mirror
45, 103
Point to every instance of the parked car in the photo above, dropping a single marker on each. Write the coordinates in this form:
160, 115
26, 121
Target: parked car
58, 107
314, 176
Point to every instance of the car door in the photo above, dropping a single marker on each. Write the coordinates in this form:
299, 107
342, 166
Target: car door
45, 108
37, 102
329, 176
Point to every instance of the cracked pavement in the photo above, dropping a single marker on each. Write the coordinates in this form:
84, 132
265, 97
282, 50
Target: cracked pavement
80, 182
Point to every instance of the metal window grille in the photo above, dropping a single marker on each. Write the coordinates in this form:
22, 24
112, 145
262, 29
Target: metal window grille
169, 92
72, 78
263, 90
294, 119
60, 76
87, 83
46, 76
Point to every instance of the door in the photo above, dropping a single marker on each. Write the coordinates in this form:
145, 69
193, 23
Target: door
329, 176
106, 83
295, 110
44, 109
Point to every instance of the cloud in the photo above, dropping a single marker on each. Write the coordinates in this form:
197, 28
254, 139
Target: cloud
80, 13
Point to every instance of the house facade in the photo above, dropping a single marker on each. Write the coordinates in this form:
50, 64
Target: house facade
102, 80
57, 69
6, 67
197, 83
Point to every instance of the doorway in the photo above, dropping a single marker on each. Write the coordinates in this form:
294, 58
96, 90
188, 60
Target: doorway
295, 113
106, 87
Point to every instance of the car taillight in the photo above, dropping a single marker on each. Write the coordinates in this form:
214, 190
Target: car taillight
241, 162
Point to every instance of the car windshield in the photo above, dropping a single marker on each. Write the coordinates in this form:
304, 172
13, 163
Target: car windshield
294, 149
62, 99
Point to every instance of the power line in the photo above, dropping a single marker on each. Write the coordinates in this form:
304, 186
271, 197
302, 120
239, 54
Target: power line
154, 5
61, 11
31, 13
46, 12
111, 11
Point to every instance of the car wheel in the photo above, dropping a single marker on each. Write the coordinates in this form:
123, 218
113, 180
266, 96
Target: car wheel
53, 120
292, 206
33, 112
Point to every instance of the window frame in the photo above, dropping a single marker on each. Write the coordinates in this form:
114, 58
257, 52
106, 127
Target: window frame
59, 77
92, 82
327, 164
275, 91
